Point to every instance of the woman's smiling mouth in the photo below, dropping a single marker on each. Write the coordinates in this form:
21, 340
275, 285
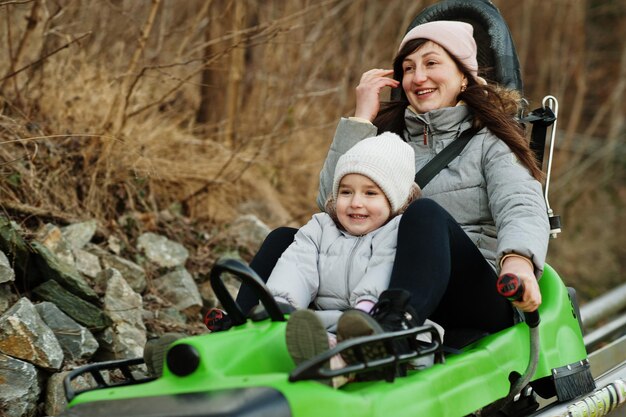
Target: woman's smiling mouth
422, 92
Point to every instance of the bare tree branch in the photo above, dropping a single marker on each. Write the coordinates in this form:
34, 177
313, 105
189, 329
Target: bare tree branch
116, 114
43, 58
30, 27
9, 3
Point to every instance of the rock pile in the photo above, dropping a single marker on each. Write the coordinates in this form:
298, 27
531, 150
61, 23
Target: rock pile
65, 301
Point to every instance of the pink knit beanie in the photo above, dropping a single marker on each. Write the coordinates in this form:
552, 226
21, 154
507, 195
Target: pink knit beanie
456, 37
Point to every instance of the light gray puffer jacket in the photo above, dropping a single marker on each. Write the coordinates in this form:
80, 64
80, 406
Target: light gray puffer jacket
332, 269
486, 189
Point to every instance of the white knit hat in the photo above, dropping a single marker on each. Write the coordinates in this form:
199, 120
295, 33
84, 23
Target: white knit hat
385, 159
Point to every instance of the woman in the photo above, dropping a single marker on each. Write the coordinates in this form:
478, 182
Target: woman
482, 216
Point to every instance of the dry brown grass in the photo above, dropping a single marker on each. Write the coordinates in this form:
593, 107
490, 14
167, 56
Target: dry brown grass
222, 107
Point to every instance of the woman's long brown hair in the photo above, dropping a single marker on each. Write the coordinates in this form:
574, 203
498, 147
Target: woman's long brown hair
492, 106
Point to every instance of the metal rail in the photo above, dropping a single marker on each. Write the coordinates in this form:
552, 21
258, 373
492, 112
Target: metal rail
604, 318
615, 327
607, 399
603, 307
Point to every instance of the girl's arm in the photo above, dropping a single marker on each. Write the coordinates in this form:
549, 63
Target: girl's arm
295, 278
380, 265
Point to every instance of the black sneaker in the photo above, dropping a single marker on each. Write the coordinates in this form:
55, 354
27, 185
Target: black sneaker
391, 313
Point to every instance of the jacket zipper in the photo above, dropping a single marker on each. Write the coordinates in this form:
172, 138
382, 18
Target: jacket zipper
349, 268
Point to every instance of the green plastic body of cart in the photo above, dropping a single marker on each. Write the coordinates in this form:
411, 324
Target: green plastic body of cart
254, 355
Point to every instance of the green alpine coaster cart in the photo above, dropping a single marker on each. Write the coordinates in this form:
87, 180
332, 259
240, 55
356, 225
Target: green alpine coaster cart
246, 370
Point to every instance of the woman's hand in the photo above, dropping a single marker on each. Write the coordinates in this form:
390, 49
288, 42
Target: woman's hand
368, 92
521, 267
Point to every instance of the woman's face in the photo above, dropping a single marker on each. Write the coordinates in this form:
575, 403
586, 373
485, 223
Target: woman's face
362, 206
431, 79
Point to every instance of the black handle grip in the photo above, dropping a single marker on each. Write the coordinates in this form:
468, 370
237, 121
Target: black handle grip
511, 287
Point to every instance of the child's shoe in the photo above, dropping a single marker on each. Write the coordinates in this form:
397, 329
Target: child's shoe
357, 323
306, 336
391, 313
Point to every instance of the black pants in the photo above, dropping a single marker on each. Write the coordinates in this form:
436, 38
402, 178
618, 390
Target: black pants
449, 280
264, 261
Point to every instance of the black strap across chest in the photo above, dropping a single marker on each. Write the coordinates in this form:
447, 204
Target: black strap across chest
443, 158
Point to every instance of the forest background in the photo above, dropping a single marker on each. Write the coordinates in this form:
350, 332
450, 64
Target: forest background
184, 114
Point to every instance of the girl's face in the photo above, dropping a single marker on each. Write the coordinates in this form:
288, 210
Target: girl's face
361, 205
431, 79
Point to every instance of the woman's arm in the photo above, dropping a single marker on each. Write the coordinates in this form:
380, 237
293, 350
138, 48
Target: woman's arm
519, 210
359, 127
523, 268
368, 92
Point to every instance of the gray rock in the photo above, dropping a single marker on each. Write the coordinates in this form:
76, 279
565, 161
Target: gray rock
24, 335
125, 307
52, 238
79, 234
179, 288
132, 273
87, 263
249, 231
80, 310
19, 252
7, 273
115, 244
76, 341
170, 315
19, 397
105, 340
64, 274
55, 401
162, 251
7, 298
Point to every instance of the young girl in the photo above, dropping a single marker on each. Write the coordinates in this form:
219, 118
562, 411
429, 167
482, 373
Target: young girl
342, 259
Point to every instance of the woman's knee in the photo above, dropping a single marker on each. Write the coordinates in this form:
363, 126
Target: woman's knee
280, 237
423, 209
275, 243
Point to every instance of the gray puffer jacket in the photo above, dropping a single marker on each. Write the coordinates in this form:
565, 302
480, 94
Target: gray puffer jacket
332, 269
486, 189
